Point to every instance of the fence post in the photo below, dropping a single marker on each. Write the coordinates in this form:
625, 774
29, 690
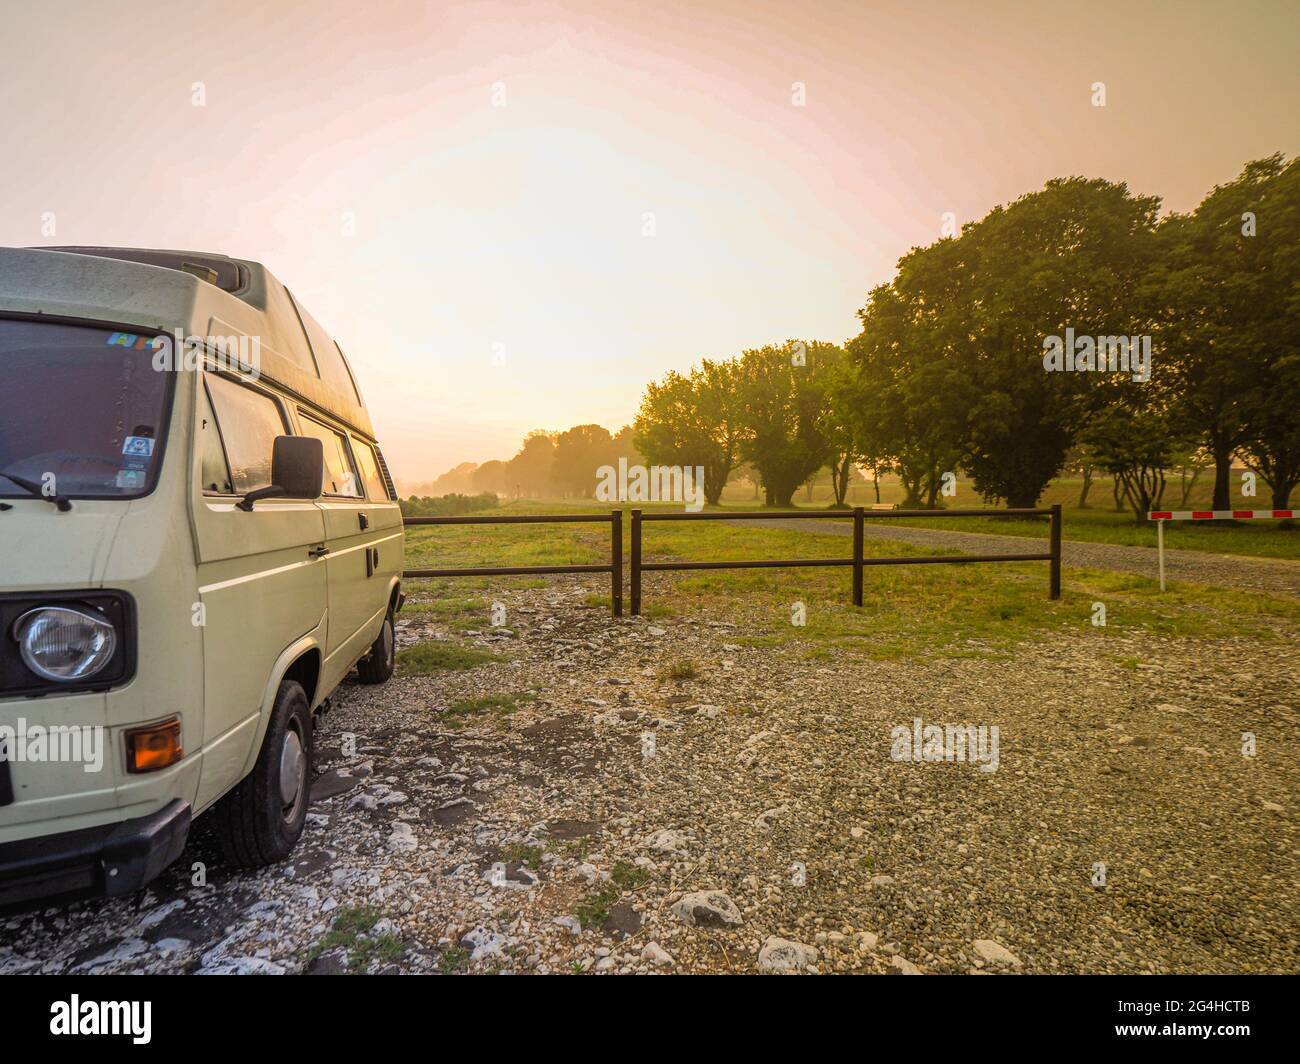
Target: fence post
1055, 591
636, 563
857, 555
616, 561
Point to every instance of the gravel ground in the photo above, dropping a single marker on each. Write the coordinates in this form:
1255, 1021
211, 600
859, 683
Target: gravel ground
1224, 570
751, 818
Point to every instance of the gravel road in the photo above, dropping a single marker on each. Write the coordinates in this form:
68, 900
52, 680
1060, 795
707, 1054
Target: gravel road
754, 817
1223, 570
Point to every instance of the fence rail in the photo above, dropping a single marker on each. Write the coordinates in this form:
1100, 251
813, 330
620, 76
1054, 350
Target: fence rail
858, 561
614, 567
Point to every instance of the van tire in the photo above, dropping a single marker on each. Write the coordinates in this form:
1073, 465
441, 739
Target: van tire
254, 824
378, 665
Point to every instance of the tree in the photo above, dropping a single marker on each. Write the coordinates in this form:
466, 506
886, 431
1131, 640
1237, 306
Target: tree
1079, 460
1070, 256
579, 454
529, 471
491, 477
1133, 442
693, 420
784, 410
1230, 321
902, 407
840, 382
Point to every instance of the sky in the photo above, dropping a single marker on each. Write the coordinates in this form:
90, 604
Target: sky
512, 216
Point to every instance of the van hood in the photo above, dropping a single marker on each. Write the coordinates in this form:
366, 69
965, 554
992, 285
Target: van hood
42, 549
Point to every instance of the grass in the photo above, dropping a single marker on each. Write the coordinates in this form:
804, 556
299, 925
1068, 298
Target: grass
910, 611
1099, 523
1261, 539
528, 856
454, 960
930, 611
503, 705
679, 671
594, 909
350, 931
423, 659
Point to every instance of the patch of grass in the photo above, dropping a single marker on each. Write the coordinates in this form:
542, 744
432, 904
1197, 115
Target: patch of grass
528, 856
628, 877
454, 960
503, 704
678, 671
597, 602
424, 659
579, 849
446, 607
350, 932
593, 910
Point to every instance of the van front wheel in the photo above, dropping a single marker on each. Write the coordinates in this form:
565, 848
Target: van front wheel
377, 666
259, 822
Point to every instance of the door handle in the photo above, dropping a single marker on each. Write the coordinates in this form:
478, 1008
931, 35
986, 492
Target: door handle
318, 552
363, 521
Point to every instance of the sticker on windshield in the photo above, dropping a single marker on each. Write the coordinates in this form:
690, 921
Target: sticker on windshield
138, 447
130, 478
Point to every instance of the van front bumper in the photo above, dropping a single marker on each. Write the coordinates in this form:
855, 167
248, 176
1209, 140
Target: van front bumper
103, 861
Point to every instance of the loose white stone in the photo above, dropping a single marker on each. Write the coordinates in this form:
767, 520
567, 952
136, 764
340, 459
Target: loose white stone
782, 955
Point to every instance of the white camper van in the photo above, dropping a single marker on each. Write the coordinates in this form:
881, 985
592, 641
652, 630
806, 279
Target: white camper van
199, 540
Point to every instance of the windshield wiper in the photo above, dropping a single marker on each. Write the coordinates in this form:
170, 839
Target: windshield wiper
32, 488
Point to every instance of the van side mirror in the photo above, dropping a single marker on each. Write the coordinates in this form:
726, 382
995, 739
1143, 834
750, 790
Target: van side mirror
297, 471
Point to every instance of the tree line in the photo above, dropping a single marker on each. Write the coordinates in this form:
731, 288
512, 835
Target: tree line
960, 366
547, 465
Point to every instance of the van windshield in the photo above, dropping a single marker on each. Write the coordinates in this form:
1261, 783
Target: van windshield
81, 409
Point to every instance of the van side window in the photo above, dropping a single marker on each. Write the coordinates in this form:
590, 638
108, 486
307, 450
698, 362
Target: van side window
249, 422
376, 489
214, 474
340, 479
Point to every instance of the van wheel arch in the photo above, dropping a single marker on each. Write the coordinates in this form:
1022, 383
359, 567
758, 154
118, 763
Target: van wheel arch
306, 671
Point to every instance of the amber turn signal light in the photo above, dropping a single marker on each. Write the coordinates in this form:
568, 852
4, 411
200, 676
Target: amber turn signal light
153, 747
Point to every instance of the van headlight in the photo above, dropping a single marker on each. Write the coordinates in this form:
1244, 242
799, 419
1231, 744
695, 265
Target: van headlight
63, 644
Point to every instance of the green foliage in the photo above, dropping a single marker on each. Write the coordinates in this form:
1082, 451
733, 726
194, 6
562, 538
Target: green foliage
594, 909
694, 420
528, 856
351, 932
425, 658
502, 704
679, 671
448, 505
1230, 326
784, 393
579, 453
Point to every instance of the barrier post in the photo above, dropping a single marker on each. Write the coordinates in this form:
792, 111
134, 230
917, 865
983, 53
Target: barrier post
636, 563
1160, 549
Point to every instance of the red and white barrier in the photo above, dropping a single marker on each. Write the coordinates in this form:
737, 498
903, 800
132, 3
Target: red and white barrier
1219, 515
1161, 516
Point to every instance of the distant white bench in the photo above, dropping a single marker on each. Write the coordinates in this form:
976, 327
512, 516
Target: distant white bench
884, 506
